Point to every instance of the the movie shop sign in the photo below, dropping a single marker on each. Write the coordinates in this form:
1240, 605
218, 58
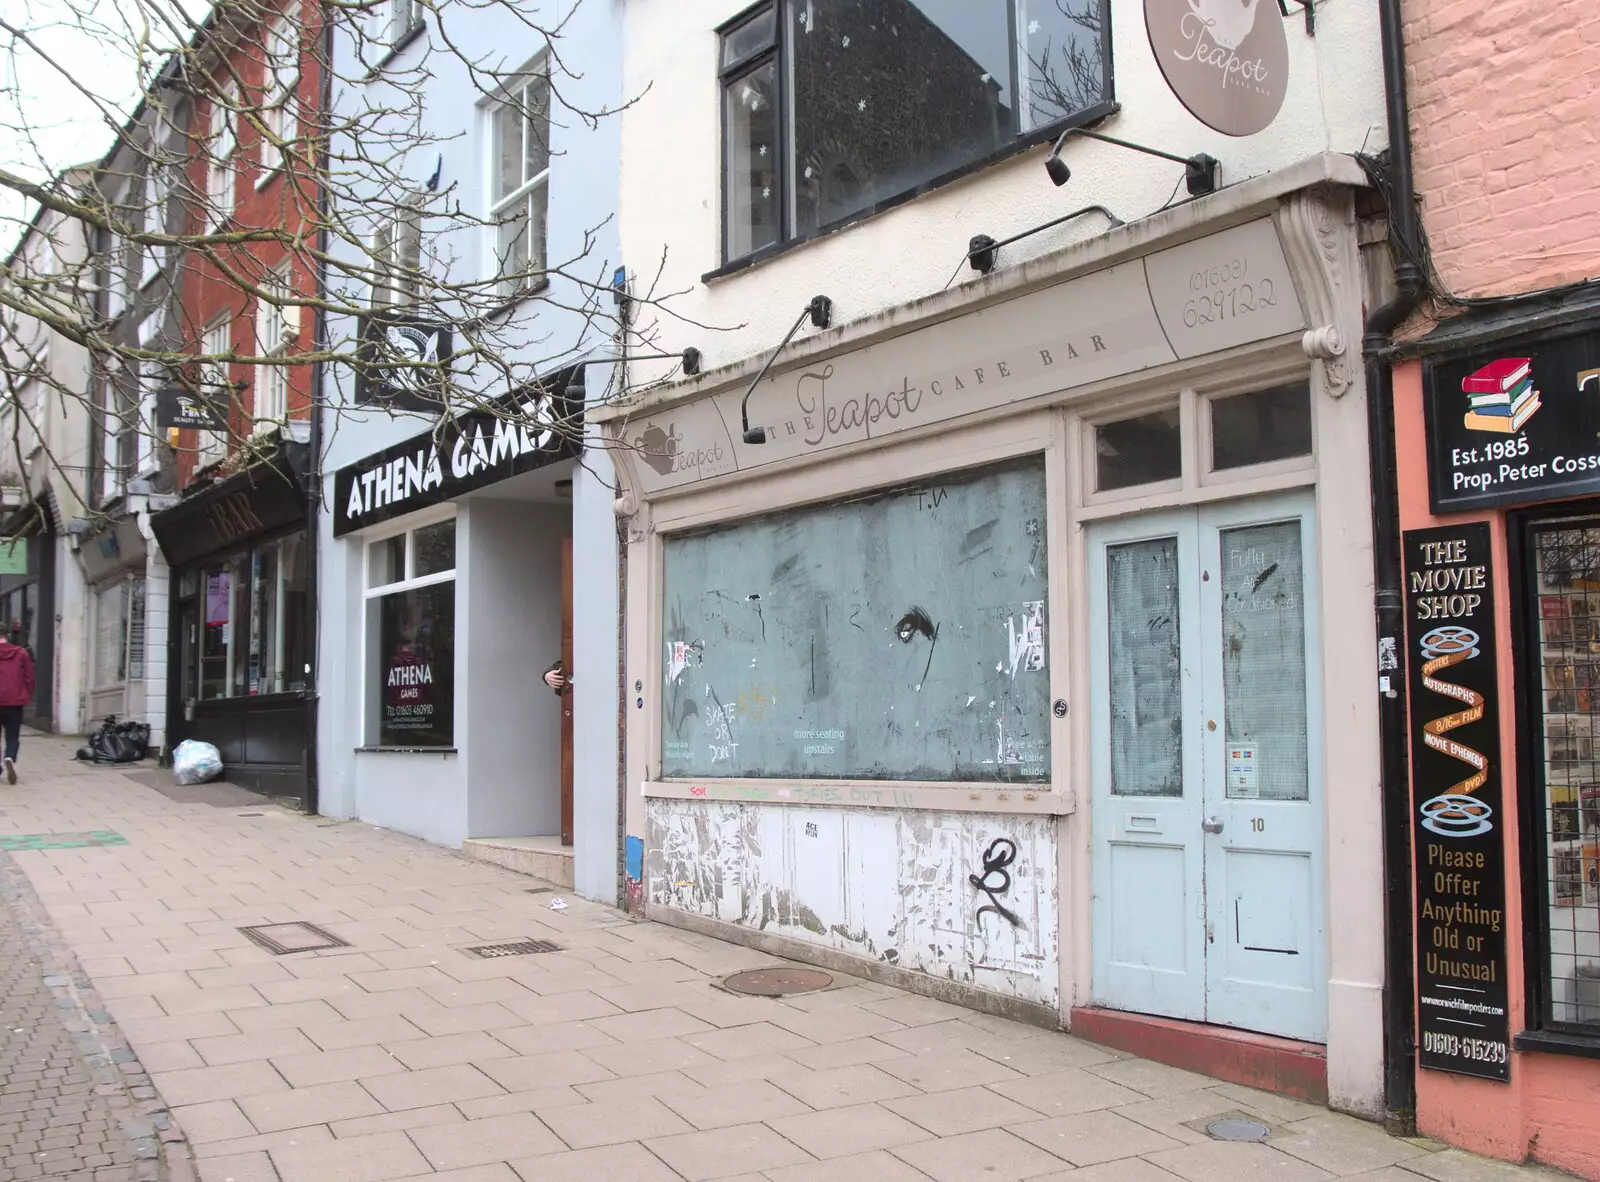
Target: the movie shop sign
1514, 424
478, 450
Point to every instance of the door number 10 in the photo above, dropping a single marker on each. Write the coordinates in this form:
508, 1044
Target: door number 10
1258, 824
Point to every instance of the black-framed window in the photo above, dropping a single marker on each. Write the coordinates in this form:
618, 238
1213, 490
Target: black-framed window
832, 108
1560, 677
243, 620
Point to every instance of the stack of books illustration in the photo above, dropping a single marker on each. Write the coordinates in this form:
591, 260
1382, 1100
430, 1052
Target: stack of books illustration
1501, 395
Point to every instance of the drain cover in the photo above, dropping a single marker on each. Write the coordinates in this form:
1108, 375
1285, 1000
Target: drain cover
777, 982
280, 939
1238, 1128
512, 948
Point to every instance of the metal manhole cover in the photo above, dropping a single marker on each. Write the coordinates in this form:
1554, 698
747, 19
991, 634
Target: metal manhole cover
1238, 1128
512, 948
280, 939
777, 982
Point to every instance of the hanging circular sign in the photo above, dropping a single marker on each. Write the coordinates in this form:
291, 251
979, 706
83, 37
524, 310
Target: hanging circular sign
1226, 60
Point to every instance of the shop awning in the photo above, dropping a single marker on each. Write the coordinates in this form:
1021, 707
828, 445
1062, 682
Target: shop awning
266, 496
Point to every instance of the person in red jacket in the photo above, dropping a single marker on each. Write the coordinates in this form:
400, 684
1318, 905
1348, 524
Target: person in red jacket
16, 691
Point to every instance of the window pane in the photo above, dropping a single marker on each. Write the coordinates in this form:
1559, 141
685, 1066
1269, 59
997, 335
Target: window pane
433, 549
536, 128
1568, 566
411, 692
511, 248
216, 643
889, 97
1263, 662
239, 614
111, 635
293, 613
386, 561
1266, 425
749, 38
507, 152
265, 620
1138, 450
752, 181
1062, 57
538, 202
1145, 668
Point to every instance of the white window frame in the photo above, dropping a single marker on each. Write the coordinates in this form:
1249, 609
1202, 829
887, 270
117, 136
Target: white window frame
221, 142
157, 196
280, 110
117, 293
397, 257
399, 17
275, 332
217, 337
147, 460
371, 591
31, 405
531, 188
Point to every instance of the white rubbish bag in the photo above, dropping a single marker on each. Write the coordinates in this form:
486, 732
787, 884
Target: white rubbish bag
195, 763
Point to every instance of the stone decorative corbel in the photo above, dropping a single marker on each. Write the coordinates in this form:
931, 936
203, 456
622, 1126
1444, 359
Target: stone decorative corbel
1317, 227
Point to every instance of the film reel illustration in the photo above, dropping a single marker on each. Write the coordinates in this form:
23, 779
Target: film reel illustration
1456, 813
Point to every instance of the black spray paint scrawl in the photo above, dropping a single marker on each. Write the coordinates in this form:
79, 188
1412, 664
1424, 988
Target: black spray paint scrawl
1001, 853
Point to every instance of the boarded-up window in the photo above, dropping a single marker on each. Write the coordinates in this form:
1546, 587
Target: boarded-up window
899, 635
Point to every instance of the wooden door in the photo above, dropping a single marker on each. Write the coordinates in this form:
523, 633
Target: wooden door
566, 698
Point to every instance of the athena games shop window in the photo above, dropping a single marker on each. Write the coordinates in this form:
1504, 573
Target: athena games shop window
411, 632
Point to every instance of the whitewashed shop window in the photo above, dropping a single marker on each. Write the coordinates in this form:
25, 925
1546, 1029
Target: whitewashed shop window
898, 636
519, 162
410, 637
111, 636
832, 108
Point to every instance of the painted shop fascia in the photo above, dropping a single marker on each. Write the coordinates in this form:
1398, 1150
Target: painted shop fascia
1496, 416
1250, 288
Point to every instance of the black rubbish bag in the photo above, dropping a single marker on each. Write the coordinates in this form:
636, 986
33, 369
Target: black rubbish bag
114, 742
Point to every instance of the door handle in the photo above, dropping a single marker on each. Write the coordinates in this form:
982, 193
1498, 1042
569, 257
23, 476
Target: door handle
1212, 824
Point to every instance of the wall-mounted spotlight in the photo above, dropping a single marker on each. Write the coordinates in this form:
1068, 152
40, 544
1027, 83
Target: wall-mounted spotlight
1200, 170
983, 251
820, 310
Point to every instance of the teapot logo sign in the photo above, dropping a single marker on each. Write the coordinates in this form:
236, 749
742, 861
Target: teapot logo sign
1226, 60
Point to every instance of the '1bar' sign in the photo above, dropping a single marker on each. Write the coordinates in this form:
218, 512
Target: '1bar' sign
1455, 775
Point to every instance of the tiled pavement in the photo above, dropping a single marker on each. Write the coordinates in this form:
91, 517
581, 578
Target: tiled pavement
616, 1059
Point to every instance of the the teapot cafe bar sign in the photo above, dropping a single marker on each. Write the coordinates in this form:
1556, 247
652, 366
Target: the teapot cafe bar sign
1462, 993
1228, 289
1226, 60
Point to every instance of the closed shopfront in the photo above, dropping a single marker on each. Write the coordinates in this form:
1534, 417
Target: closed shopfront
117, 563
1023, 658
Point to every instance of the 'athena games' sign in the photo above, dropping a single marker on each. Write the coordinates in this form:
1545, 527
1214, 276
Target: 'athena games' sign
1226, 60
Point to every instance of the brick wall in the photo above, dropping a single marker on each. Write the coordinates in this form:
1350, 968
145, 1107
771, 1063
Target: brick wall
1505, 118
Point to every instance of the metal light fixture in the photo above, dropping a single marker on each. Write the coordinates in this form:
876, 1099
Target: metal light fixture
983, 251
820, 310
1200, 170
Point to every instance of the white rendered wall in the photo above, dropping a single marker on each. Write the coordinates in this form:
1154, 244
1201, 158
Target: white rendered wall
596, 667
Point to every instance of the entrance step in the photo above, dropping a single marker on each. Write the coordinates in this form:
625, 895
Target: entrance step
540, 857
1282, 1065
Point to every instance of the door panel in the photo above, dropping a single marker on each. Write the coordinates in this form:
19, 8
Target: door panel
1148, 884
566, 697
1262, 869
1206, 800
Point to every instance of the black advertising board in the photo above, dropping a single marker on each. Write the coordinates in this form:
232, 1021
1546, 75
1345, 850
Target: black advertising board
179, 408
1456, 797
403, 363
528, 430
1514, 424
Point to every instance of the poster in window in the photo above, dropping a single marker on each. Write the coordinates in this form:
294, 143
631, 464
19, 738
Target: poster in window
218, 594
416, 674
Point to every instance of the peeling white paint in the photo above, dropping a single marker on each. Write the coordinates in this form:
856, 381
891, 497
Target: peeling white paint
818, 875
